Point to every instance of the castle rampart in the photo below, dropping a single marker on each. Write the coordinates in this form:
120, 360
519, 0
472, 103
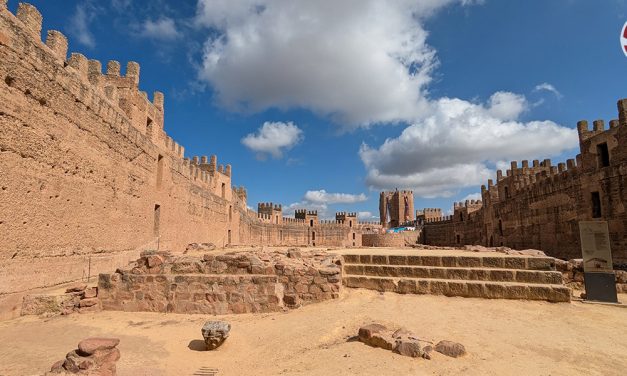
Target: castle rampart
539, 205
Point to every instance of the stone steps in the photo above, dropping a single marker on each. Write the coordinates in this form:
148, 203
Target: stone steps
469, 261
461, 288
455, 273
473, 275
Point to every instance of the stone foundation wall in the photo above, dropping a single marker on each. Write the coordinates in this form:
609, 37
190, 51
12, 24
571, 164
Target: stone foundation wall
402, 239
221, 284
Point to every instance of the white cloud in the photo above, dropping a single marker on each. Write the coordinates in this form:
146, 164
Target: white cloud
161, 29
273, 138
359, 61
83, 15
545, 86
506, 106
365, 62
456, 144
366, 216
323, 197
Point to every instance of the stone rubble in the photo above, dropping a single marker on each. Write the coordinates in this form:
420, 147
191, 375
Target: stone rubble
76, 299
94, 356
405, 342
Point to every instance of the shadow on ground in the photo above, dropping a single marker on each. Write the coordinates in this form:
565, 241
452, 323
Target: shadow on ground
197, 345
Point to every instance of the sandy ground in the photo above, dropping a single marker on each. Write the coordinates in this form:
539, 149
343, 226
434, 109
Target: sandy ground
502, 338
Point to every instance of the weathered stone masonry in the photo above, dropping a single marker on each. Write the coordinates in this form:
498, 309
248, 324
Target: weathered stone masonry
221, 284
539, 206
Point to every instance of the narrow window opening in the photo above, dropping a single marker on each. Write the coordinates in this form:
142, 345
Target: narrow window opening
148, 126
313, 236
223, 190
350, 223
500, 227
159, 170
229, 237
506, 192
230, 213
603, 155
311, 223
461, 217
157, 219
277, 219
596, 205
353, 236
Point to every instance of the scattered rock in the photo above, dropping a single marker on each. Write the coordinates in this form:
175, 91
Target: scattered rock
200, 247
366, 332
294, 253
450, 348
215, 333
91, 345
94, 356
91, 292
408, 347
154, 261
79, 288
426, 352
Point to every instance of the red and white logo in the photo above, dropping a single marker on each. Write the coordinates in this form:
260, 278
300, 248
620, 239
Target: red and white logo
623, 39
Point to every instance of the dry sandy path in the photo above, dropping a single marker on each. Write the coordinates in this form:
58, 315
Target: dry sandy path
502, 337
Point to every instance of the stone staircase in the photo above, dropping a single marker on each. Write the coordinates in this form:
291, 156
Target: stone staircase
477, 276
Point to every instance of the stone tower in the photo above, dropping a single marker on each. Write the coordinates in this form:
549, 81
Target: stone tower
396, 208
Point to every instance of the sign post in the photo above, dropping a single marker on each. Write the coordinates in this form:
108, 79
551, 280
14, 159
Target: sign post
598, 270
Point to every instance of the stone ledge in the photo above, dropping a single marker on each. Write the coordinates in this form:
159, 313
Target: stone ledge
462, 288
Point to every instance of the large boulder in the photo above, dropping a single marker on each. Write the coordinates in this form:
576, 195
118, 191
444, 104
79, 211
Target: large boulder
215, 333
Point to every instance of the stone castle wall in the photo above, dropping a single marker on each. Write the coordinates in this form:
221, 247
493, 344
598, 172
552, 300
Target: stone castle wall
539, 206
89, 178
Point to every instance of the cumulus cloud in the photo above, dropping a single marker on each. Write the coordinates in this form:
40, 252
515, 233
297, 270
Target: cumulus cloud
359, 61
78, 27
366, 62
161, 29
273, 138
545, 86
323, 197
456, 145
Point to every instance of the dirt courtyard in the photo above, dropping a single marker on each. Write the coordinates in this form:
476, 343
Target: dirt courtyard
502, 337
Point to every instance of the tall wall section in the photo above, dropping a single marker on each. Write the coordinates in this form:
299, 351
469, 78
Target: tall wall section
88, 177
540, 205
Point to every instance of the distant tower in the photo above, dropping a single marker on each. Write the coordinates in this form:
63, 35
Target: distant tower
275, 212
348, 219
309, 216
396, 208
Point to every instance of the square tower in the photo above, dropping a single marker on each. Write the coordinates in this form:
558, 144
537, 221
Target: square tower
396, 208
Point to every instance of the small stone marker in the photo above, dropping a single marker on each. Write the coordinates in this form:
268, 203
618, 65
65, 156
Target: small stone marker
215, 333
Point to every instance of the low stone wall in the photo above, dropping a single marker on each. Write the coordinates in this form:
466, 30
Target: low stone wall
401, 239
238, 282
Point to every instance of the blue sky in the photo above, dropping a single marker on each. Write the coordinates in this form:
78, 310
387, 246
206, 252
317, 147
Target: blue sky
300, 97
